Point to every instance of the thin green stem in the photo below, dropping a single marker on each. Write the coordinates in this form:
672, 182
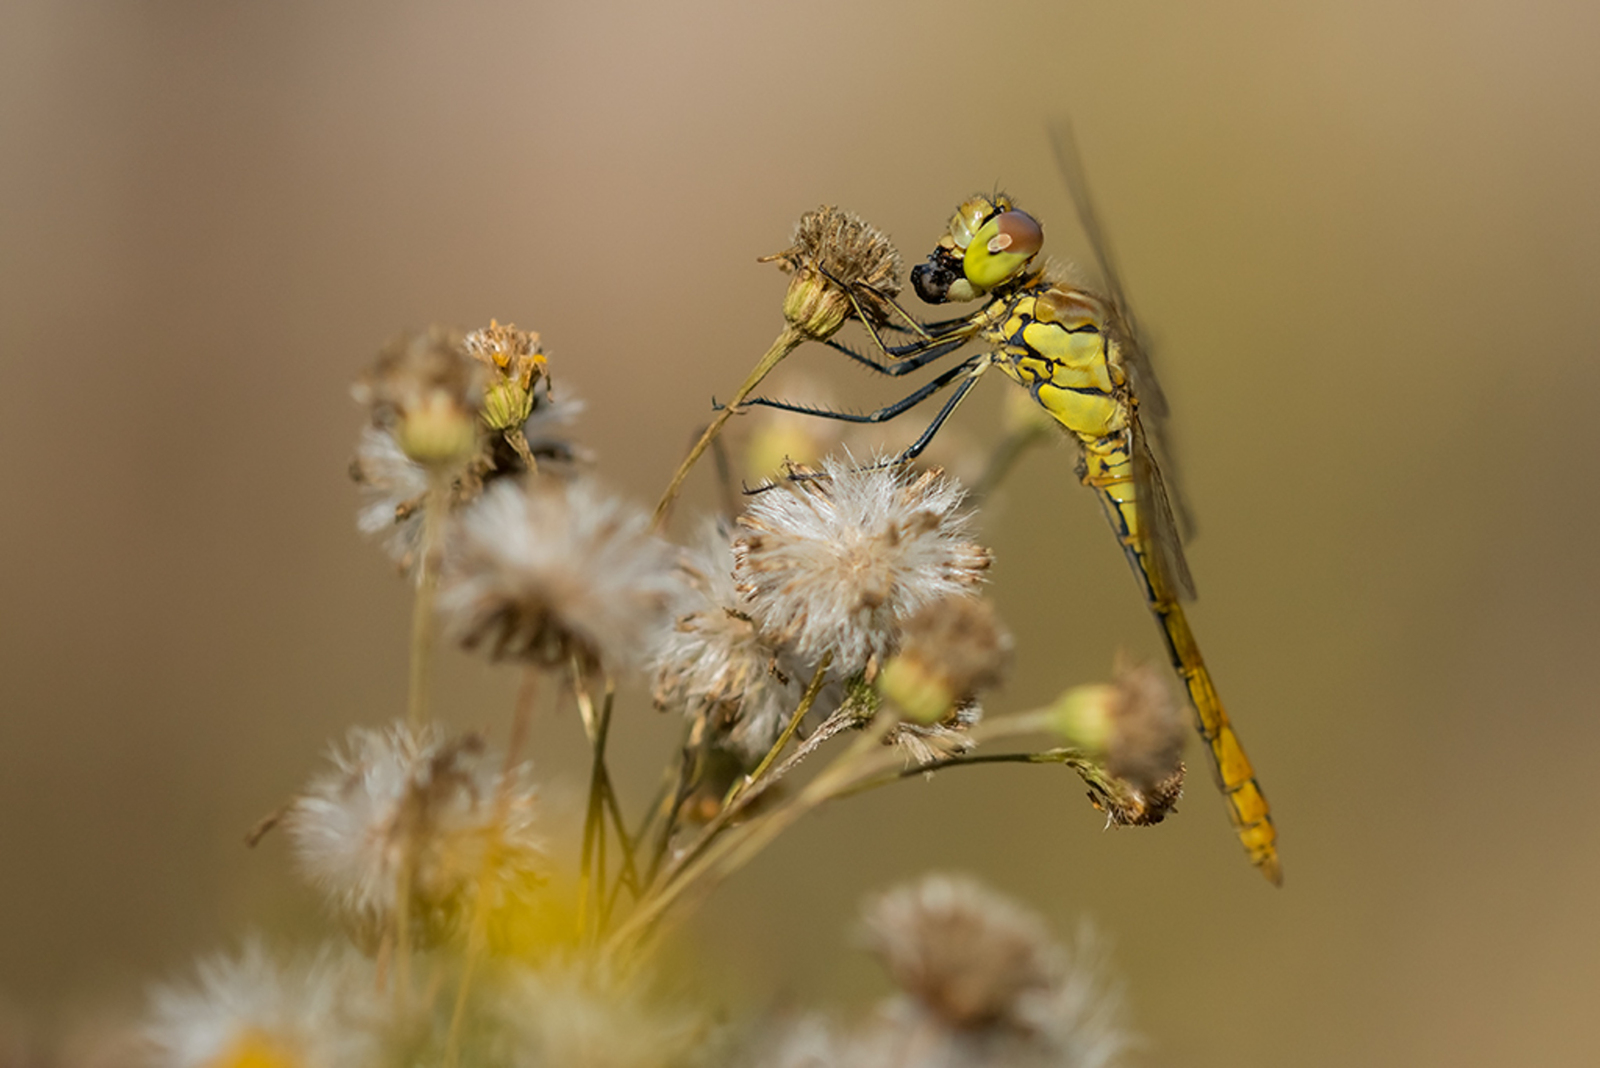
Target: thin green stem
478, 932
433, 512
786, 342
669, 799
734, 849
593, 862
807, 700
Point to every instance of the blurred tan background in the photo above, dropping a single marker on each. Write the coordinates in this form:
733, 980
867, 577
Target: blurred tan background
1365, 238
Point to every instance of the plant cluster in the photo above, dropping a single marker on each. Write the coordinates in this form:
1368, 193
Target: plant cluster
832, 638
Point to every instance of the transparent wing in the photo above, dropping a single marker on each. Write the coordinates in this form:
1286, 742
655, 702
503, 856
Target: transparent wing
1162, 475
1158, 529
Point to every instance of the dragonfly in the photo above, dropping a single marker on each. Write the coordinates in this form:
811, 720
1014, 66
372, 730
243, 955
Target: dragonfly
1079, 356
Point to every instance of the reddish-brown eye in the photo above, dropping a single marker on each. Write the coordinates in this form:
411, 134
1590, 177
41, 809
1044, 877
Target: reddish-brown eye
1018, 233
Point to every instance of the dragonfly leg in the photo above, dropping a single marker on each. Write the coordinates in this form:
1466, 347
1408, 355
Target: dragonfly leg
888, 411
914, 450
941, 331
902, 364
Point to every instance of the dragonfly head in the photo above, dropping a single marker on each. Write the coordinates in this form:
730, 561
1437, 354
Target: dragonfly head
987, 244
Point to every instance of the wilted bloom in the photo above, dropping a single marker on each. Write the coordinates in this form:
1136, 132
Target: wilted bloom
554, 570
985, 984
514, 359
439, 811
428, 391
967, 954
834, 255
714, 662
950, 651
247, 1012
569, 1015
838, 562
1132, 731
520, 427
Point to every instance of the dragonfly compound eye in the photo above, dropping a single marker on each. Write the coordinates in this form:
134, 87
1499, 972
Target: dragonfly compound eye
1001, 248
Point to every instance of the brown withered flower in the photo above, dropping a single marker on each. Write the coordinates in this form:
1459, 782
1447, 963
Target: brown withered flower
1131, 734
950, 650
426, 390
835, 255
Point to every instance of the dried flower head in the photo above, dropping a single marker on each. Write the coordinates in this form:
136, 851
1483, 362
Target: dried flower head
514, 359
714, 663
1126, 806
438, 811
1148, 730
247, 1012
836, 254
428, 391
950, 651
967, 954
553, 570
1132, 733
987, 985
394, 488
837, 562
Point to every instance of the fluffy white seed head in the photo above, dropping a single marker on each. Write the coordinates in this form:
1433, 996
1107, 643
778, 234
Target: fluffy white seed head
714, 662
838, 562
246, 1011
986, 984
402, 801
569, 1015
552, 570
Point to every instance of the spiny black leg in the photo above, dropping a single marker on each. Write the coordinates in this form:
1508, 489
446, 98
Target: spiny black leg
885, 413
915, 448
905, 365
974, 368
933, 329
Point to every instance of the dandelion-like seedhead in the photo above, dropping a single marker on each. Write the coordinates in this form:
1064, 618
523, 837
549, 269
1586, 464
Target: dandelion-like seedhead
438, 811
526, 428
572, 1015
713, 662
547, 571
1146, 744
986, 983
246, 1011
964, 952
836, 254
838, 562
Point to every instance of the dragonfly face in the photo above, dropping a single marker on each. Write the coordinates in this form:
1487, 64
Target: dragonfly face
987, 244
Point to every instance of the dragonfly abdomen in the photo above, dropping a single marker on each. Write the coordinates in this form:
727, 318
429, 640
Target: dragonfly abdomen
1108, 470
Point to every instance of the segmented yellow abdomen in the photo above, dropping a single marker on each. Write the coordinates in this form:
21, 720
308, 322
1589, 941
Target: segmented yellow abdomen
1052, 340
1108, 469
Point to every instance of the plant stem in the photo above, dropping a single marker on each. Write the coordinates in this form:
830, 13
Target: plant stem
734, 849
478, 932
786, 342
592, 880
807, 700
438, 500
